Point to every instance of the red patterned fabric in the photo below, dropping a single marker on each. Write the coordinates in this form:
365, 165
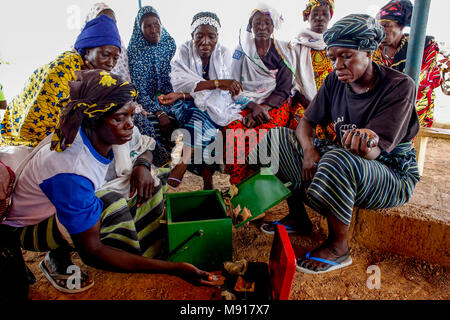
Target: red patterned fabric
235, 141
322, 68
430, 75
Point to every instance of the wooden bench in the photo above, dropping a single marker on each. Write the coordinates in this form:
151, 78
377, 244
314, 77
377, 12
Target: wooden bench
422, 140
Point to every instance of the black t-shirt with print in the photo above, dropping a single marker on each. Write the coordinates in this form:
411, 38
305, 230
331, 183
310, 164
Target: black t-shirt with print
388, 109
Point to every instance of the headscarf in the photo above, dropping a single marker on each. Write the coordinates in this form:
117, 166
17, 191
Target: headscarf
276, 16
150, 63
355, 31
187, 73
93, 95
302, 45
101, 31
399, 11
249, 69
121, 67
94, 11
205, 18
317, 3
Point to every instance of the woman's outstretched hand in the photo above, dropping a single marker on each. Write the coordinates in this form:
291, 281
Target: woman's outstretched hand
169, 99
194, 275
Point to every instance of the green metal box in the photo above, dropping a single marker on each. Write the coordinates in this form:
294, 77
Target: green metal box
199, 230
259, 193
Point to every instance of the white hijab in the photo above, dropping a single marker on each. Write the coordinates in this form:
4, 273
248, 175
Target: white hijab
187, 73
247, 67
302, 45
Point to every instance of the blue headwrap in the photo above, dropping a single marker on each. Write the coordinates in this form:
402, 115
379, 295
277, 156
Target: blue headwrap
101, 31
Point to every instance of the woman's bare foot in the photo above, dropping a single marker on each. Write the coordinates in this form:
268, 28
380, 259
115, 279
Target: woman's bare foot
333, 252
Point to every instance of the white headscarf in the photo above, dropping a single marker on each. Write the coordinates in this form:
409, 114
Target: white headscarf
276, 16
187, 73
94, 11
302, 45
247, 67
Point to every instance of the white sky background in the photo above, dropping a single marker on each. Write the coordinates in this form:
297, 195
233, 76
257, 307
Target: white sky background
35, 32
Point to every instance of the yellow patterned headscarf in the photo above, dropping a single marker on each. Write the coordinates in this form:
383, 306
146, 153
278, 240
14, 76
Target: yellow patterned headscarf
317, 3
94, 94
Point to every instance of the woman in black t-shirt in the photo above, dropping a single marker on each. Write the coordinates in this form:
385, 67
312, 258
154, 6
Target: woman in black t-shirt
374, 166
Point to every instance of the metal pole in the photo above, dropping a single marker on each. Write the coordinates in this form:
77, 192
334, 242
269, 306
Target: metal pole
416, 43
140, 4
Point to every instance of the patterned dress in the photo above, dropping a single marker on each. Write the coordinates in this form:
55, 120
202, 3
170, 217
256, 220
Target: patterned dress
236, 133
239, 139
34, 113
322, 67
149, 69
430, 76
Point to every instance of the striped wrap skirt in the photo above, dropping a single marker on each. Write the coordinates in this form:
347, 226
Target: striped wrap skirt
123, 225
343, 180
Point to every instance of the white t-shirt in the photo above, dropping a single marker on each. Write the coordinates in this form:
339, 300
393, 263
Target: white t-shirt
62, 182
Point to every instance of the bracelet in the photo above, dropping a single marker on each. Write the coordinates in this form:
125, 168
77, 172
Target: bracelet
142, 162
216, 83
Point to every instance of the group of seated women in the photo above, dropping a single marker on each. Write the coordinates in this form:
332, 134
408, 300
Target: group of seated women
101, 118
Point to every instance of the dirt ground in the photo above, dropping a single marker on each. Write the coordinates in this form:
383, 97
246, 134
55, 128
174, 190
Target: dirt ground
402, 278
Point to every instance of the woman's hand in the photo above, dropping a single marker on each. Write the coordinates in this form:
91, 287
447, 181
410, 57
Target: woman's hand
169, 99
165, 123
311, 158
231, 85
194, 275
260, 113
249, 122
142, 182
362, 142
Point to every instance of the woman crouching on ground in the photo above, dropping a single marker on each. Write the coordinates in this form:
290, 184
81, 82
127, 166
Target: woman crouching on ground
114, 226
373, 110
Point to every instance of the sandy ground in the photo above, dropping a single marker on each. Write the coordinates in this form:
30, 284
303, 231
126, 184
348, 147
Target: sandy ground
402, 278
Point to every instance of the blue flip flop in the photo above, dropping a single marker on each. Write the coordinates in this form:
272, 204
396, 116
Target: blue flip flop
269, 227
331, 265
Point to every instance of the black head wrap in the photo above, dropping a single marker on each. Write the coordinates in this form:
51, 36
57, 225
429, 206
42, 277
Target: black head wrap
399, 11
355, 31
